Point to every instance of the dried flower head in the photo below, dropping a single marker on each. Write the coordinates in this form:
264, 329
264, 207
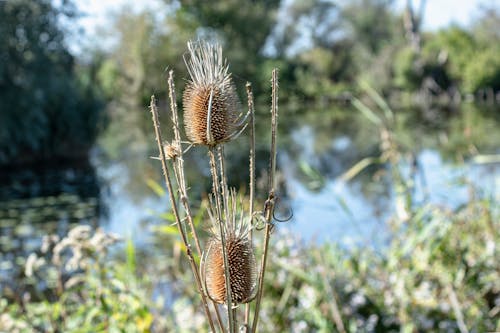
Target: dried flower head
171, 151
211, 106
241, 260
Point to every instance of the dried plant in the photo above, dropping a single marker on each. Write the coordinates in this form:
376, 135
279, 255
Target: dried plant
211, 106
241, 258
227, 273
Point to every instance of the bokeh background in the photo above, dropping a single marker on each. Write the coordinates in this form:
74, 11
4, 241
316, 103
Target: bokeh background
389, 161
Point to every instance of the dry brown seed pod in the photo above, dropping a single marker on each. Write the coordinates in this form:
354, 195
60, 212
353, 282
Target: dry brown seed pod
242, 270
211, 106
240, 258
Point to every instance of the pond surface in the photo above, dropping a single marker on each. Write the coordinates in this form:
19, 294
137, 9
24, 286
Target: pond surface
315, 151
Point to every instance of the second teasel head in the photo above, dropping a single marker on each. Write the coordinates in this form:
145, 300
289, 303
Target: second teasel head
211, 106
241, 260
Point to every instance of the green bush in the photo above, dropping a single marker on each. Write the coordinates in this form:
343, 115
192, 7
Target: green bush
483, 71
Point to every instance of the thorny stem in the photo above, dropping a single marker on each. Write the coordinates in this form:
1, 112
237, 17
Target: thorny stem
252, 180
223, 181
225, 197
270, 202
180, 177
251, 111
179, 161
166, 174
220, 222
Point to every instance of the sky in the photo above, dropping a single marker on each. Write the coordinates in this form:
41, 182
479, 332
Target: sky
440, 13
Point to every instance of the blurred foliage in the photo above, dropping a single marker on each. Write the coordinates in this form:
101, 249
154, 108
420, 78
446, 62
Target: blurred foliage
372, 24
322, 49
454, 57
456, 46
484, 72
72, 285
52, 104
438, 273
50, 107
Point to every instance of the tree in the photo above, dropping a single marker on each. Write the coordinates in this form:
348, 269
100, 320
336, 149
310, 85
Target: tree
46, 111
370, 23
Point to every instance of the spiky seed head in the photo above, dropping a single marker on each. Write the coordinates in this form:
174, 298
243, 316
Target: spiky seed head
242, 270
240, 257
211, 106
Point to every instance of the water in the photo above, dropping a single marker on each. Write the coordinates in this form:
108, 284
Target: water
39, 201
315, 151
341, 211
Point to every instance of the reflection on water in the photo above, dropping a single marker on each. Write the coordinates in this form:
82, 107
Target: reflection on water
128, 200
316, 148
433, 163
353, 213
39, 201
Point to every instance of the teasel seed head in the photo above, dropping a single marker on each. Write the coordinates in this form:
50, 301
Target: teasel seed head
241, 261
211, 106
242, 270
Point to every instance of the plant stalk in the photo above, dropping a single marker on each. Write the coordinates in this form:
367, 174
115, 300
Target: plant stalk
225, 197
179, 161
166, 174
181, 178
251, 111
334, 308
457, 309
217, 194
270, 202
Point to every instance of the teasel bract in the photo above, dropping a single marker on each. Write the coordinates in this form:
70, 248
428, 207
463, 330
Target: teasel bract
240, 255
211, 106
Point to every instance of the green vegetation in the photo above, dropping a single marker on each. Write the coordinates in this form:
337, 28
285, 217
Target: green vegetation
52, 102
439, 272
321, 48
72, 285
439, 269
